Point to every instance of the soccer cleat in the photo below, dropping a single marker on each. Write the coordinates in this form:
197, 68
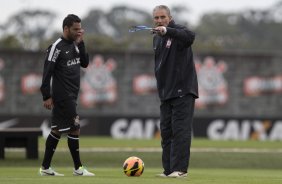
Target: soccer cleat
178, 174
81, 171
48, 172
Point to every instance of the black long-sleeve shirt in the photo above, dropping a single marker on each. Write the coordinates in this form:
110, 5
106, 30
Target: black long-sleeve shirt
174, 66
62, 64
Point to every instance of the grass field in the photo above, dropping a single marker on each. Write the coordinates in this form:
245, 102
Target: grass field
219, 162
17, 175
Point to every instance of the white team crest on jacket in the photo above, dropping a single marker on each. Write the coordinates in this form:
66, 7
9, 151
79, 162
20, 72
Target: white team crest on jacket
168, 43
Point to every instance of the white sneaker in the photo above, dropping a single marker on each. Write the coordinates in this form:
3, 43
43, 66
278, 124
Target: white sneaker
177, 174
81, 171
48, 172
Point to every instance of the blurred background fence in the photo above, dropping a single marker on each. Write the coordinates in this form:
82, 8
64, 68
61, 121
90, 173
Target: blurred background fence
237, 57
240, 94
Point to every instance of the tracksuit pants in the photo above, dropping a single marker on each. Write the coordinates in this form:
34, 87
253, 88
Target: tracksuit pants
176, 132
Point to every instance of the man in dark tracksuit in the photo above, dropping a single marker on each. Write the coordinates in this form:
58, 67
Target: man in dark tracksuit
178, 87
62, 64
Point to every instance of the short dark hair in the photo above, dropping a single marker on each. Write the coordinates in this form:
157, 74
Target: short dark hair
70, 19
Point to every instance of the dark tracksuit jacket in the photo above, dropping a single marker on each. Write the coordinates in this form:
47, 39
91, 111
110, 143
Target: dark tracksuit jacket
176, 77
174, 66
62, 64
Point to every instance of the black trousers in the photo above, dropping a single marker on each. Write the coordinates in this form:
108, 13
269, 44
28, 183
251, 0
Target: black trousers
176, 132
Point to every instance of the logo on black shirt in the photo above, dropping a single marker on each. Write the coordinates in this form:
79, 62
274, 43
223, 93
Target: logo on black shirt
56, 54
73, 62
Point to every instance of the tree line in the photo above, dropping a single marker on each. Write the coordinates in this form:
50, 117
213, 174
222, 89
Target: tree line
252, 29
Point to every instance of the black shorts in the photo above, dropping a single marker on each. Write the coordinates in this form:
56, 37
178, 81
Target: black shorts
64, 116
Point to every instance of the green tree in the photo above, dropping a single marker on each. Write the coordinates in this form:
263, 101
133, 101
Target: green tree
110, 29
30, 28
9, 42
248, 30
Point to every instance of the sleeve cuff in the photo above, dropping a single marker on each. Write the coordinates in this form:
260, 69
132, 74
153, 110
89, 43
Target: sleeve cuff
46, 97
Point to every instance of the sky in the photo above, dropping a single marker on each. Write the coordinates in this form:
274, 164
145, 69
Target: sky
82, 7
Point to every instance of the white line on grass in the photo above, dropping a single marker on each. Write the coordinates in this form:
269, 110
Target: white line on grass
128, 149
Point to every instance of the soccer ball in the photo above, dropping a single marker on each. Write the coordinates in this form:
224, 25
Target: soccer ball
133, 166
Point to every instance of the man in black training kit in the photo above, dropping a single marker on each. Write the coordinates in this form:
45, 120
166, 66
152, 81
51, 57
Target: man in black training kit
177, 87
62, 63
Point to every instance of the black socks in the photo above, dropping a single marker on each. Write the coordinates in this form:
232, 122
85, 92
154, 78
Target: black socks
73, 143
50, 147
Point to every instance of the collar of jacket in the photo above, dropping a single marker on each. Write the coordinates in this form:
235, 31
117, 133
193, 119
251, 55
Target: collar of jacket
171, 24
68, 41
